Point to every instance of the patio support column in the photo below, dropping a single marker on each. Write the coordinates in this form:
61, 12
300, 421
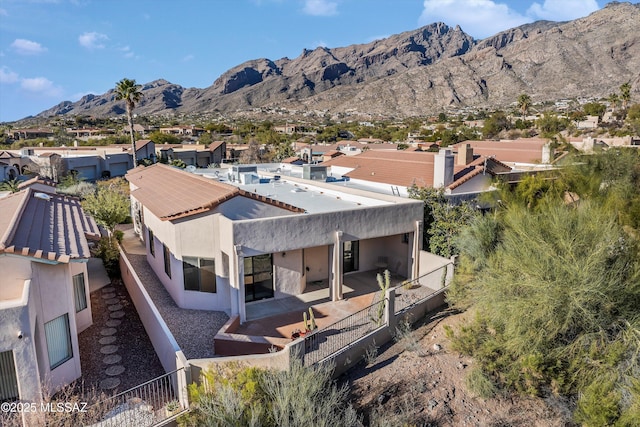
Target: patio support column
417, 243
336, 280
236, 279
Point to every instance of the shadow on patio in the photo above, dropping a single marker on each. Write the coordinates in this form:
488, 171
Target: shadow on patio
279, 318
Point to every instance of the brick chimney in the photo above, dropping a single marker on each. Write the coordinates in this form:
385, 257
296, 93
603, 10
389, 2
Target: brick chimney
443, 168
465, 154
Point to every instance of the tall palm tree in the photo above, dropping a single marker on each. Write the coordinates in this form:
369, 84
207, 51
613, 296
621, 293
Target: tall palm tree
129, 91
613, 100
625, 94
524, 102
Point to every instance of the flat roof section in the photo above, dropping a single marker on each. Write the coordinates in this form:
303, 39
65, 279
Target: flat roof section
312, 196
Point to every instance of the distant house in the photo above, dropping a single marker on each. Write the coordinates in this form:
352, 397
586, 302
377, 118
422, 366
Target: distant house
44, 292
183, 130
30, 133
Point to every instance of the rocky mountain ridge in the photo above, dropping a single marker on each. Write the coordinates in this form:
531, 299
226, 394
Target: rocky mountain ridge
415, 73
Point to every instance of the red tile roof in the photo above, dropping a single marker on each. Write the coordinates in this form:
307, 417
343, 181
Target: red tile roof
171, 193
525, 150
42, 225
407, 168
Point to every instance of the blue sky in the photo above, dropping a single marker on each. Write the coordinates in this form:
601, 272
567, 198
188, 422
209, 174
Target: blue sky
56, 50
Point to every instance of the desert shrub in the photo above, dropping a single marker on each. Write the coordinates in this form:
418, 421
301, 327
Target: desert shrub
79, 189
107, 250
236, 396
479, 384
598, 404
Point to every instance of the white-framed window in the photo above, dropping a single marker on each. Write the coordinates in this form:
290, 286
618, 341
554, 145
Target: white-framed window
58, 340
199, 274
79, 292
8, 378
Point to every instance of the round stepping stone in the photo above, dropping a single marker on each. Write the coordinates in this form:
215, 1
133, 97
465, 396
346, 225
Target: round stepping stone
112, 359
117, 314
108, 331
114, 371
109, 349
108, 296
113, 323
109, 383
115, 307
113, 301
108, 289
107, 340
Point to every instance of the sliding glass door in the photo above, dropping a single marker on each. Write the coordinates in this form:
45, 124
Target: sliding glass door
258, 277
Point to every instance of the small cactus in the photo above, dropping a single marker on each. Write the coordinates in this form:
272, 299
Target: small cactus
309, 322
312, 320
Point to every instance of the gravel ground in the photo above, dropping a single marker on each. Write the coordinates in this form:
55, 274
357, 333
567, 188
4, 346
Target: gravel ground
194, 330
138, 356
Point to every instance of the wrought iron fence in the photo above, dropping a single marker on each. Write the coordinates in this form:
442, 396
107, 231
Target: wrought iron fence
327, 341
146, 405
413, 292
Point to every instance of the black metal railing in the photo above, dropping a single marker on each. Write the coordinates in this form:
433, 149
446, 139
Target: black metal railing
145, 405
327, 341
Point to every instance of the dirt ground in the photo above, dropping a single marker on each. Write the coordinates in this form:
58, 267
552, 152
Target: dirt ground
419, 380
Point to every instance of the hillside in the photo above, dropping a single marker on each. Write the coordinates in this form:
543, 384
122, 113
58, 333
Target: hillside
416, 73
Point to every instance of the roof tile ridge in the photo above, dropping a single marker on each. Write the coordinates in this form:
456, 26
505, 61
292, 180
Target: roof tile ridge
11, 229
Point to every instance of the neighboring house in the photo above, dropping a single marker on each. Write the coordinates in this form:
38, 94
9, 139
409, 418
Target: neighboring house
8, 171
13, 159
44, 292
463, 174
89, 163
193, 154
218, 246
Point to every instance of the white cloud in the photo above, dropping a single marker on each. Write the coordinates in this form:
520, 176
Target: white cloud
27, 47
562, 10
479, 18
8, 76
41, 85
320, 7
127, 52
189, 57
319, 43
92, 40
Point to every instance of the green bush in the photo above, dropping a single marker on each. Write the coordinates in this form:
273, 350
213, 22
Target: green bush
108, 251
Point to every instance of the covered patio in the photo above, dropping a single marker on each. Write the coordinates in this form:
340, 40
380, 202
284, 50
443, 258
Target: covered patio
278, 318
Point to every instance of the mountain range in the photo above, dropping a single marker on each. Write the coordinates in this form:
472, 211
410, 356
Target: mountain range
415, 73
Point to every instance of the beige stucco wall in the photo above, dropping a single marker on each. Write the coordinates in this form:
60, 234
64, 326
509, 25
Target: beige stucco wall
56, 296
17, 317
46, 292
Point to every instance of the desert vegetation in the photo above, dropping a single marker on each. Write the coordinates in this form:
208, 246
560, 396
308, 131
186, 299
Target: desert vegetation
552, 280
